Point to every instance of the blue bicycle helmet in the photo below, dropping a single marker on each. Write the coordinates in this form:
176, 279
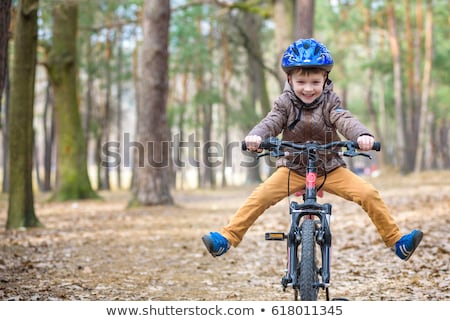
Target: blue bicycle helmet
307, 53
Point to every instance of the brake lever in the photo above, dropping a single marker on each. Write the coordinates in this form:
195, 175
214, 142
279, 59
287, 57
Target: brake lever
364, 154
350, 153
353, 153
276, 152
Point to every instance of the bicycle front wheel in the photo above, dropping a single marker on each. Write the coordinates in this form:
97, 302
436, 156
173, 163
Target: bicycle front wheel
309, 273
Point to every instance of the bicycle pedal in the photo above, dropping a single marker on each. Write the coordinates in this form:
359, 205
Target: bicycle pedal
275, 236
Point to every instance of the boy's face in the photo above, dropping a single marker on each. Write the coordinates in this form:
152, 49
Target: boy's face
307, 85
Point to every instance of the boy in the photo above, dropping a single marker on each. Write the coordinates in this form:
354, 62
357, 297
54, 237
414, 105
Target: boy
309, 110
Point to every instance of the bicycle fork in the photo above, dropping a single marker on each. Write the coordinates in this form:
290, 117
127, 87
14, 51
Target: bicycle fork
324, 241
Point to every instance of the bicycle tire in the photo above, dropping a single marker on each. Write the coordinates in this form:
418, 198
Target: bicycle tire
308, 272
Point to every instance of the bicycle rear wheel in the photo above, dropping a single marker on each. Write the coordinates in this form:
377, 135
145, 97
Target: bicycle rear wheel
308, 273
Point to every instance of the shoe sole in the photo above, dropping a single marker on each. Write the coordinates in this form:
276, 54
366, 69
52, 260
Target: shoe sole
417, 239
208, 244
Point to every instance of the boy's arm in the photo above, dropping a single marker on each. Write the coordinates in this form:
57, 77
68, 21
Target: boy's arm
352, 128
347, 124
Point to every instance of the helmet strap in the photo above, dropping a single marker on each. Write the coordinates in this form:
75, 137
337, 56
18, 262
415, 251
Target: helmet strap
326, 80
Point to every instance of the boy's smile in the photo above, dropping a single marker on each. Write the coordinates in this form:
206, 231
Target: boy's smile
307, 85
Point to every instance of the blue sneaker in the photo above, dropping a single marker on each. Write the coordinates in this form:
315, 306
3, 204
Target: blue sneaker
406, 246
216, 243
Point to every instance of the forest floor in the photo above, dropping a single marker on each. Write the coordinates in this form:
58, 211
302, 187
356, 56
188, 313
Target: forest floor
102, 250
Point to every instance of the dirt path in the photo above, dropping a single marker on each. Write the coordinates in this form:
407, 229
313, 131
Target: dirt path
99, 250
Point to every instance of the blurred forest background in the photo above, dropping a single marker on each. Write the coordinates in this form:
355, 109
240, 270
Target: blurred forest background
156, 95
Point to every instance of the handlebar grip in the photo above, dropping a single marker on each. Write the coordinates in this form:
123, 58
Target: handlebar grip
265, 144
376, 146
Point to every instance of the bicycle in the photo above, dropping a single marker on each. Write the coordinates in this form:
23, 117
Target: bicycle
310, 221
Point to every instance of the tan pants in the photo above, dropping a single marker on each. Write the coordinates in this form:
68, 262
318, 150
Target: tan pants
341, 182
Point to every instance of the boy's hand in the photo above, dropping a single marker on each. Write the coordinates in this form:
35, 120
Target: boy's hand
365, 142
253, 143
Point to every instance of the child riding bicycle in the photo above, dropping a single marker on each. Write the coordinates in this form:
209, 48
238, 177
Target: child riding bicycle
309, 110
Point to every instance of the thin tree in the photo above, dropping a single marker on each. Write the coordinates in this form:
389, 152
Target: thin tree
284, 19
151, 181
226, 71
5, 18
103, 173
120, 57
367, 14
21, 211
398, 85
411, 72
250, 26
426, 84
49, 137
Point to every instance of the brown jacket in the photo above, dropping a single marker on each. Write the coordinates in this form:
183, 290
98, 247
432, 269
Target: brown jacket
320, 122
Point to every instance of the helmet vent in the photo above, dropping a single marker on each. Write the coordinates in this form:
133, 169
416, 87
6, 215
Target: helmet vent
317, 50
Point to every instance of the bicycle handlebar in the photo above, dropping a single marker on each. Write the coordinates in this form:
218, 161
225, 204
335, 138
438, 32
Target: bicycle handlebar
273, 143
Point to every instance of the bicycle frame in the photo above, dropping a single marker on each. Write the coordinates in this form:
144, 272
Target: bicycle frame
309, 210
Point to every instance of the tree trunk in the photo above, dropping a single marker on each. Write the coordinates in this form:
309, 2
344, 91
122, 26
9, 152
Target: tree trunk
304, 19
443, 143
410, 103
5, 138
426, 83
398, 85
198, 123
259, 98
203, 113
49, 138
180, 165
250, 31
370, 85
283, 16
387, 153
104, 182
21, 200
151, 182
72, 176
5, 18
119, 103
226, 72
209, 175
90, 70
418, 61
